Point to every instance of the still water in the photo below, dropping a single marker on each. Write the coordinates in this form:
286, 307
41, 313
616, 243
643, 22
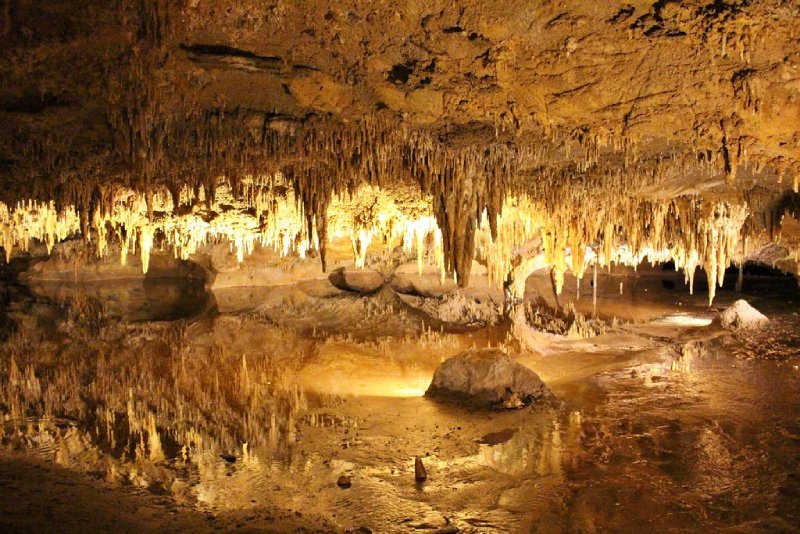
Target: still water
662, 426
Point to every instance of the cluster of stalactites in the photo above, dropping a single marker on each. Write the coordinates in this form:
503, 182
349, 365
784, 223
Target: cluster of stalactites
322, 157
35, 220
519, 223
464, 184
397, 214
266, 212
719, 232
624, 231
617, 228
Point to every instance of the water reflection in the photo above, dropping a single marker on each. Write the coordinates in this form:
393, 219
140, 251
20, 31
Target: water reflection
232, 412
541, 451
146, 299
711, 435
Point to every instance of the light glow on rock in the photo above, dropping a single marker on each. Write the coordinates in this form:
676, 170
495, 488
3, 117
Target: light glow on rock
266, 212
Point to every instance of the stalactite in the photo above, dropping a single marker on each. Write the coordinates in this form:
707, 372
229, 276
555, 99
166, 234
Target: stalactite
35, 220
469, 201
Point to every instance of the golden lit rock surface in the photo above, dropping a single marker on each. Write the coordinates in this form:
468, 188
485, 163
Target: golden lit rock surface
239, 237
478, 107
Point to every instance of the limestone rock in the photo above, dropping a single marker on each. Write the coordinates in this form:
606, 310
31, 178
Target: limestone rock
420, 474
487, 376
360, 280
740, 315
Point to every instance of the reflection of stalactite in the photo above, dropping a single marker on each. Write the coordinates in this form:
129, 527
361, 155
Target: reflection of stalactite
136, 402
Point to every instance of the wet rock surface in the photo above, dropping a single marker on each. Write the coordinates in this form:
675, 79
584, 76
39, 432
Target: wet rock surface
741, 315
358, 280
489, 377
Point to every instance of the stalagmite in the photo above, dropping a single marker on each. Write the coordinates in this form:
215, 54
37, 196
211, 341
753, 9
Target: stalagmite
420, 474
594, 289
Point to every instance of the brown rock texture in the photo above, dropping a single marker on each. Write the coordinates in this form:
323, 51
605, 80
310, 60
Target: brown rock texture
487, 377
89, 85
470, 101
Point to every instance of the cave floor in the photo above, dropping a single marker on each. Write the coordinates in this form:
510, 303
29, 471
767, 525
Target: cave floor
245, 419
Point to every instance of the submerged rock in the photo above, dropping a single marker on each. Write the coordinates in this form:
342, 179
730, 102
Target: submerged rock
487, 376
740, 315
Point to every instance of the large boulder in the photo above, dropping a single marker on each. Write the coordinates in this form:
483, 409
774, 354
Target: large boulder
358, 280
740, 315
487, 377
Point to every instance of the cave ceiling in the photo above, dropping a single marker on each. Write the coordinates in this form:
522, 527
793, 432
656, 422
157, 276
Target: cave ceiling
674, 79
470, 100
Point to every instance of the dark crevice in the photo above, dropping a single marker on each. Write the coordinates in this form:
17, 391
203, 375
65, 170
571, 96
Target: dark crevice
400, 73
34, 103
622, 15
224, 50
223, 56
653, 30
304, 68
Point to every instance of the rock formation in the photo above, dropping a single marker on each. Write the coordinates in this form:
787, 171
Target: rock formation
487, 377
612, 133
741, 315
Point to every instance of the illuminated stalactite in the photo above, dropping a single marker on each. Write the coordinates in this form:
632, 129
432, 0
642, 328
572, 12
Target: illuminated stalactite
35, 220
618, 229
268, 214
719, 231
376, 183
397, 214
519, 222
321, 159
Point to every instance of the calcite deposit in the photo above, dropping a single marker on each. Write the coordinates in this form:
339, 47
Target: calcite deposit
240, 240
610, 132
